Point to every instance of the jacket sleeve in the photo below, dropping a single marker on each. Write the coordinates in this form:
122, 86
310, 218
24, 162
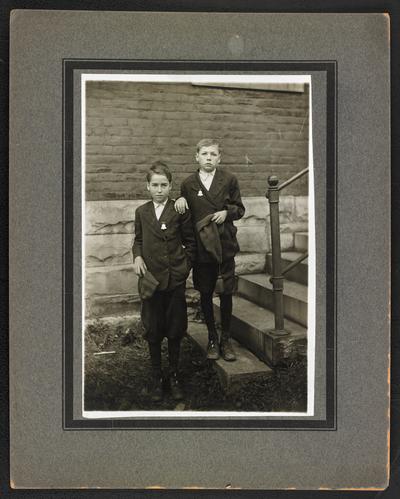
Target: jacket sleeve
183, 191
234, 207
138, 241
187, 236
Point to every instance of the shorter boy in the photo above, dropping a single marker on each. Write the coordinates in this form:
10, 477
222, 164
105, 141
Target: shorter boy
165, 247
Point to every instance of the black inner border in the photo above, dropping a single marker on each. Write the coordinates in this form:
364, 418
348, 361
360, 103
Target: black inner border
69, 423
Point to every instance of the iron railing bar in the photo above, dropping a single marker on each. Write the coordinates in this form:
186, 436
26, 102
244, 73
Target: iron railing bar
292, 179
277, 278
293, 264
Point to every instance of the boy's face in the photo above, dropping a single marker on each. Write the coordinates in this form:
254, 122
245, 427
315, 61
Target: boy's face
159, 187
208, 158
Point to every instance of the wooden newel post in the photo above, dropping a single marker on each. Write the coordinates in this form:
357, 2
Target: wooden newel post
277, 277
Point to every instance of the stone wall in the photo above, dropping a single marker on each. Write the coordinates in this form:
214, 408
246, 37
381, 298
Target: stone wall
110, 283
130, 125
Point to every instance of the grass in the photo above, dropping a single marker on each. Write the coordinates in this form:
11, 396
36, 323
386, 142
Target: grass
118, 381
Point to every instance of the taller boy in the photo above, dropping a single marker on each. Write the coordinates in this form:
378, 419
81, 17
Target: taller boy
213, 195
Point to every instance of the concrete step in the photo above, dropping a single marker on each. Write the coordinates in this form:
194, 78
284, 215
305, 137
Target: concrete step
257, 288
301, 241
246, 366
299, 273
251, 326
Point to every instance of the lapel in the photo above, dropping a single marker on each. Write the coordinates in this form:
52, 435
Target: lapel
217, 183
155, 225
167, 214
215, 188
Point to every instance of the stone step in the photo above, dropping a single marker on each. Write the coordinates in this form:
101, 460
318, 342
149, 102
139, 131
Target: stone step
257, 288
301, 241
246, 366
251, 326
298, 274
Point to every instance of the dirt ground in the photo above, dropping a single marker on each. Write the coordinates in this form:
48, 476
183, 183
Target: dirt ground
117, 373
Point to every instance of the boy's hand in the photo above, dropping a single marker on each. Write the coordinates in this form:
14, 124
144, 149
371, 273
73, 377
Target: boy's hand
219, 217
181, 205
139, 266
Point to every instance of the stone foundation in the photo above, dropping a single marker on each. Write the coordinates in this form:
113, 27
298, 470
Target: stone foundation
110, 283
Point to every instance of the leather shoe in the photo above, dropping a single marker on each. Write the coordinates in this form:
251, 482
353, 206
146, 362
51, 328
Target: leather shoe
156, 391
212, 350
227, 350
175, 387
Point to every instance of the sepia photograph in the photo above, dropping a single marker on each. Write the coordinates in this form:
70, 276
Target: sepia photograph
198, 258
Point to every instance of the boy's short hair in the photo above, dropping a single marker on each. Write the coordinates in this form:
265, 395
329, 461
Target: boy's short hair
160, 168
207, 143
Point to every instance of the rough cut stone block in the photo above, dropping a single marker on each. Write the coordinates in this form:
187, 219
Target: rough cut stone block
250, 263
251, 221
286, 209
253, 239
301, 208
257, 209
294, 227
286, 204
108, 249
111, 217
287, 241
115, 280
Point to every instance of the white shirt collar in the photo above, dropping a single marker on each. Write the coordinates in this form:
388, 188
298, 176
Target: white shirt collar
206, 175
157, 205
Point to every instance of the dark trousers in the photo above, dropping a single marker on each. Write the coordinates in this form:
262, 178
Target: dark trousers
164, 315
173, 355
204, 278
226, 314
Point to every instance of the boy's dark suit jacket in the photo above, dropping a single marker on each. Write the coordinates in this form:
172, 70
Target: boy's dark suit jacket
224, 194
170, 253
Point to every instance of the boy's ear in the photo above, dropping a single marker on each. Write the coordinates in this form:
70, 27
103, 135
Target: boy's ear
148, 186
197, 156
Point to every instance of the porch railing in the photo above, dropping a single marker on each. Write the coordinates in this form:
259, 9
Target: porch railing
277, 277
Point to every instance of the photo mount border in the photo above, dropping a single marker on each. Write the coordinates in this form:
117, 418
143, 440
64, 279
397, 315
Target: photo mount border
206, 423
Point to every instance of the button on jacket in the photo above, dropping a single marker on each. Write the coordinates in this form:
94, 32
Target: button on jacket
167, 245
224, 194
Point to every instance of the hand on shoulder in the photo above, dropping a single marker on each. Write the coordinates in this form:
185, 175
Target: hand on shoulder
181, 205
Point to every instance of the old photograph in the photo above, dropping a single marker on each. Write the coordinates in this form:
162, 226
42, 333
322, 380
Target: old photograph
198, 267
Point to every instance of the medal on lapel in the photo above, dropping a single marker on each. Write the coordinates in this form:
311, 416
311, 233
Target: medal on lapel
163, 226
200, 193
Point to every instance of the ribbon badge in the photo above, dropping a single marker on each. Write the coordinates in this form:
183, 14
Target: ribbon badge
163, 226
200, 193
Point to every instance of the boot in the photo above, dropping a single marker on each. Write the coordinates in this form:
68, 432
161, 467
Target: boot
226, 348
213, 347
175, 386
156, 391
